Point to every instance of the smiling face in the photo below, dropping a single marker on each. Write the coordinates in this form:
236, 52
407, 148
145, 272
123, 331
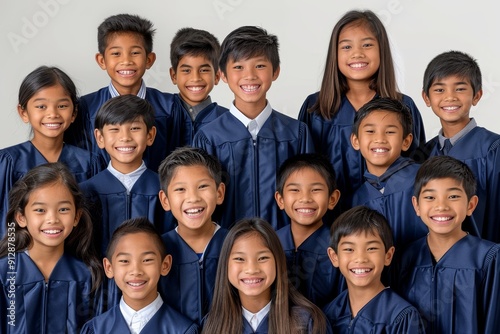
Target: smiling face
136, 266
443, 205
380, 140
125, 60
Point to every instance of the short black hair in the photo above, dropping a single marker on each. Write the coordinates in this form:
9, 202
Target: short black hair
125, 23
247, 42
125, 108
194, 42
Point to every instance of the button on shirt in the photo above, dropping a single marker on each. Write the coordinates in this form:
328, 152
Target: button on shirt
128, 180
254, 319
257, 123
136, 320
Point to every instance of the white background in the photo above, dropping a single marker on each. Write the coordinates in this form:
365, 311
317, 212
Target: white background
63, 33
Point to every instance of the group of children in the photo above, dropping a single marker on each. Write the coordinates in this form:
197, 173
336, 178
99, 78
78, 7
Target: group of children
245, 220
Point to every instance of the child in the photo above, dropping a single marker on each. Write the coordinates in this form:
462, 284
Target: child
47, 101
125, 52
452, 85
252, 140
361, 246
306, 189
194, 55
48, 268
359, 68
453, 278
381, 132
191, 188
136, 258
252, 293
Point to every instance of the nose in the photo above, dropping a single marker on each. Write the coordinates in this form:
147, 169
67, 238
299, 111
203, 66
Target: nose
306, 197
52, 217
125, 135
193, 195
250, 73
441, 205
136, 268
251, 267
360, 257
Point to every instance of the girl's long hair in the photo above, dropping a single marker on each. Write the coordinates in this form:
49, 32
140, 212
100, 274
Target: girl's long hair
334, 84
225, 314
79, 242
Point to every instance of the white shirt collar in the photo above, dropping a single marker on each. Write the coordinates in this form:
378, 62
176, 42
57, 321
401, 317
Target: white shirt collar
254, 319
260, 119
141, 93
128, 180
136, 320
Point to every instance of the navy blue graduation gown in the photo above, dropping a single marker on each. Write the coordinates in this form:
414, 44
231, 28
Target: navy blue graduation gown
458, 294
17, 160
303, 316
386, 313
309, 267
167, 122
332, 138
251, 169
60, 305
480, 150
165, 321
189, 286
395, 203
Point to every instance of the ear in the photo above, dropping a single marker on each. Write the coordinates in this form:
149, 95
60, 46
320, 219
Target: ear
223, 76
151, 136
279, 200
426, 99
217, 77
334, 259
414, 201
389, 255
77, 217
221, 191
471, 206
173, 76
150, 60
23, 113
20, 219
166, 265
334, 199
407, 142
75, 112
354, 141
477, 97
108, 268
164, 200
99, 138
99, 58
276, 73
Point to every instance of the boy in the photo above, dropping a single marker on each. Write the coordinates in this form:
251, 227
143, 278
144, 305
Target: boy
194, 55
136, 258
361, 246
452, 85
306, 190
191, 187
453, 278
252, 140
125, 52
381, 131
126, 189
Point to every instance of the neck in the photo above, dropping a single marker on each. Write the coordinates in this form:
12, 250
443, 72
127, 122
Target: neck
50, 148
46, 258
439, 244
451, 129
255, 304
250, 109
301, 232
360, 296
199, 238
126, 168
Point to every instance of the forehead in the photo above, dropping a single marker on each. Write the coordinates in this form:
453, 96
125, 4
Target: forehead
356, 30
194, 60
382, 117
136, 243
124, 39
304, 174
51, 192
249, 243
361, 238
443, 184
452, 80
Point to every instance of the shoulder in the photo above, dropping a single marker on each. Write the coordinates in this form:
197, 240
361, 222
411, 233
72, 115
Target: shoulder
99, 96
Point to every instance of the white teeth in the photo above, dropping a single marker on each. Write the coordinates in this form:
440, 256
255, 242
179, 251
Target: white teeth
360, 271
252, 281
195, 88
194, 211
125, 149
442, 219
305, 210
136, 284
380, 150
450, 108
51, 231
52, 125
126, 72
250, 88
358, 65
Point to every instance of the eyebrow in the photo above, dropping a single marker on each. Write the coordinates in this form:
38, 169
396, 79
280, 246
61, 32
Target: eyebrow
259, 252
295, 184
364, 39
45, 99
448, 189
348, 243
374, 124
142, 254
59, 203
438, 83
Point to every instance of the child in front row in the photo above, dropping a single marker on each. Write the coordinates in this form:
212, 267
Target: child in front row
252, 292
453, 278
136, 258
191, 188
361, 247
252, 140
49, 271
306, 190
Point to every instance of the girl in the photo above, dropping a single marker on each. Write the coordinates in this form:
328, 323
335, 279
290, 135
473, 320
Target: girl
359, 68
47, 100
46, 255
252, 293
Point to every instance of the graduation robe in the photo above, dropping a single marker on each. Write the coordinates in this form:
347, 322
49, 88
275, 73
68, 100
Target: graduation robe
17, 160
332, 138
309, 267
395, 203
189, 286
165, 321
458, 294
480, 150
167, 122
386, 313
60, 305
251, 169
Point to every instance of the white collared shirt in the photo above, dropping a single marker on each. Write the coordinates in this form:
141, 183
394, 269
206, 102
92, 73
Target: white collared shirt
141, 93
254, 319
259, 120
136, 320
128, 180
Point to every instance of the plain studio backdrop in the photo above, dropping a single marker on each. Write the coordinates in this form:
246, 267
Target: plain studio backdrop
63, 33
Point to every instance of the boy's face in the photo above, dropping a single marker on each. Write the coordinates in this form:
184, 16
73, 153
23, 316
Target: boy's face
136, 266
195, 77
125, 143
361, 258
442, 205
306, 198
451, 99
192, 196
249, 80
126, 61
380, 140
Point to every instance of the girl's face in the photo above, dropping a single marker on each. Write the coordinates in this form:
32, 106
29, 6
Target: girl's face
50, 111
252, 271
50, 215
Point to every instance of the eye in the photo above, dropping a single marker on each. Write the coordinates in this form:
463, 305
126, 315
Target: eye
369, 131
263, 258
438, 90
123, 261
347, 250
372, 249
186, 70
428, 198
293, 190
260, 66
238, 259
39, 210
367, 45
148, 260
205, 70
237, 67
115, 53
203, 186
179, 189
63, 106
41, 106
345, 47
65, 210
454, 197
